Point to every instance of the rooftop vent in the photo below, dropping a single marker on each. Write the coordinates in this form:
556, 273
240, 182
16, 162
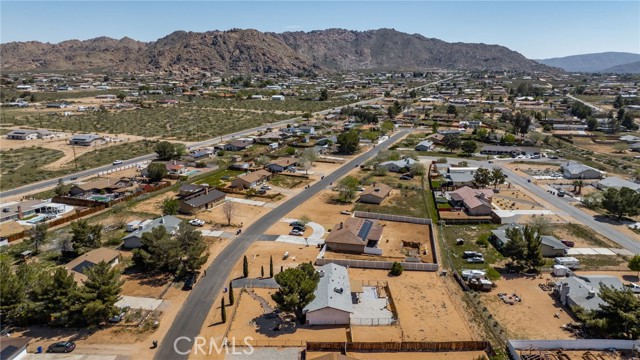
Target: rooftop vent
339, 290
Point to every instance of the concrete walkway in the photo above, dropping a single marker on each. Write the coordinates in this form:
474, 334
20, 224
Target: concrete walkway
135, 302
599, 251
245, 201
510, 213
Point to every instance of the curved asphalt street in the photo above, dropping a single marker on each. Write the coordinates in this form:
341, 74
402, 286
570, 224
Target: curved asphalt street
194, 311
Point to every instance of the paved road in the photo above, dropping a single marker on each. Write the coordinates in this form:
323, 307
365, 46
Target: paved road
595, 108
565, 208
194, 311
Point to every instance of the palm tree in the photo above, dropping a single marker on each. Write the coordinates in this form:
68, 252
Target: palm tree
577, 184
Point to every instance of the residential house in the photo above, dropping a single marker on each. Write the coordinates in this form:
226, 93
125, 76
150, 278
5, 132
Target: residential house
310, 130
18, 210
509, 150
459, 179
583, 291
22, 134
134, 239
277, 98
398, 165
550, 246
635, 147
573, 170
186, 190
333, 302
251, 179
437, 139
617, 183
203, 200
375, 194
282, 164
87, 140
14, 348
477, 202
269, 138
425, 145
78, 267
99, 186
354, 236
238, 145
629, 139
175, 168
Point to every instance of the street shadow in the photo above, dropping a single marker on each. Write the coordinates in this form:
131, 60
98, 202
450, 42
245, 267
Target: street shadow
607, 220
630, 278
271, 325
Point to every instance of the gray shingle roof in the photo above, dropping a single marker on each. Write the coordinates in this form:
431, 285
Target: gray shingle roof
335, 277
170, 223
581, 286
616, 182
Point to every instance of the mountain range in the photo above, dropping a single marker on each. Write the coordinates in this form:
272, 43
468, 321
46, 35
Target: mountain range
606, 62
239, 50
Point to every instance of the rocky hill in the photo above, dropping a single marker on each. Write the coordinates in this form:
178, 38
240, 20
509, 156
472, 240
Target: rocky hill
253, 51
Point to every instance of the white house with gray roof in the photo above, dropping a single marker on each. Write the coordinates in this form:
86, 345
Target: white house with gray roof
87, 140
617, 183
550, 245
574, 170
134, 239
333, 304
583, 291
398, 165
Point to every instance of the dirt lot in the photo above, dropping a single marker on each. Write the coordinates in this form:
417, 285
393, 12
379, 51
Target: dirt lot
463, 355
395, 233
154, 204
322, 209
515, 200
243, 216
582, 236
425, 309
536, 304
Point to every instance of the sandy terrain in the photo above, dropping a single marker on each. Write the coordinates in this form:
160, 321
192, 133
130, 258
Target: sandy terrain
10, 227
395, 232
515, 200
464, 355
322, 209
243, 216
154, 204
536, 304
564, 234
425, 308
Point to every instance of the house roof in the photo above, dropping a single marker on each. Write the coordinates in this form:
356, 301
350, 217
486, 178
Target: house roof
460, 177
380, 190
241, 143
333, 290
10, 347
355, 231
85, 137
553, 242
577, 168
170, 223
501, 234
406, 162
284, 161
581, 286
254, 176
616, 182
472, 198
79, 265
102, 183
426, 143
191, 188
203, 198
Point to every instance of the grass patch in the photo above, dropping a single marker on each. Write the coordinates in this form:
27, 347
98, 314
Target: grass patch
408, 203
585, 233
470, 234
21, 166
287, 182
220, 177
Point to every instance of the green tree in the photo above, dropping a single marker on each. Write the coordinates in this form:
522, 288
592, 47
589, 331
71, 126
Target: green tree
165, 150
452, 142
592, 123
634, 265
387, 126
347, 188
508, 139
469, 147
245, 267
524, 247
60, 297
85, 236
271, 266
534, 258
618, 317
516, 247
482, 177
223, 312
452, 110
417, 169
38, 235
231, 296
156, 171
62, 189
396, 269
296, 289
170, 206
497, 177
348, 142
481, 134
621, 202
159, 252
100, 293
324, 95
193, 249
121, 96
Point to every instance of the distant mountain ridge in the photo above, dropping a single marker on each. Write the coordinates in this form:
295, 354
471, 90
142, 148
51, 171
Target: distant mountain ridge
239, 50
598, 62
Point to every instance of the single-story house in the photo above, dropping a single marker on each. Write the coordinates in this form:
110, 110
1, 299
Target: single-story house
269, 137
307, 130
573, 170
238, 145
375, 193
14, 348
398, 165
203, 200
437, 139
459, 179
22, 134
87, 140
425, 145
106, 185
354, 235
251, 179
583, 291
509, 150
186, 190
78, 266
629, 139
550, 246
617, 183
635, 146
18, 210
134, 239
333, 303
282, 164
477, 202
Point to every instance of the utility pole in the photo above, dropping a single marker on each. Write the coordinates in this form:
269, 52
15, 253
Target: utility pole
73, 146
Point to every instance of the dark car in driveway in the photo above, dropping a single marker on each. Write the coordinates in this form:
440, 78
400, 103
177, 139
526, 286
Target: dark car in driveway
189, 280
62, 347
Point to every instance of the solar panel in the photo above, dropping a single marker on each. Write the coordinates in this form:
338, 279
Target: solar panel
364, 230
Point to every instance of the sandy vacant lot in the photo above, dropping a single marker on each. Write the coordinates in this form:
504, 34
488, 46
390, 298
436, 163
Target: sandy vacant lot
396, 232
322, 209
425, 308
515, 200
536, 304
154, 204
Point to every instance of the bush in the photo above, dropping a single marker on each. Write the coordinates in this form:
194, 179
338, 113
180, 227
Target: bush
493, 274
396, 269
483, 240
221, 153
201, 164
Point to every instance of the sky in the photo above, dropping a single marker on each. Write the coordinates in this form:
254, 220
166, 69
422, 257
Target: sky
537, 29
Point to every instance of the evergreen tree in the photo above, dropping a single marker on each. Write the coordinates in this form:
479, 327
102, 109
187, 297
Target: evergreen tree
85, 236
100, 292
271, 266
192, 247
297, 286
245, 267
618, 317
223, 311
38, 235
231, 296
482, 177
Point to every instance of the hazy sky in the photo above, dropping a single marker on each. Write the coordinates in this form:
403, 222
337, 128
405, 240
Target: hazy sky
537, 29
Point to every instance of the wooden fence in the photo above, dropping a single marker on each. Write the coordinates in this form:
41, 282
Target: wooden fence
375, 264
406, 346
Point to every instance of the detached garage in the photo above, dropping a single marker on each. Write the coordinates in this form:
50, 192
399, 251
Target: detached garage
333, 303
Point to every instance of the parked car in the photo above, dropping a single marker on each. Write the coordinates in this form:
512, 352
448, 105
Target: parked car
296, 223
560, 193
62, 347
471, 254
189, 281
568, 243
403, 177
345, 212
117, 318
300, 228
261, 191
196, 222
635, 288
476, 260
117, 162
265, 187
296, 232
73, 178
409, 175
